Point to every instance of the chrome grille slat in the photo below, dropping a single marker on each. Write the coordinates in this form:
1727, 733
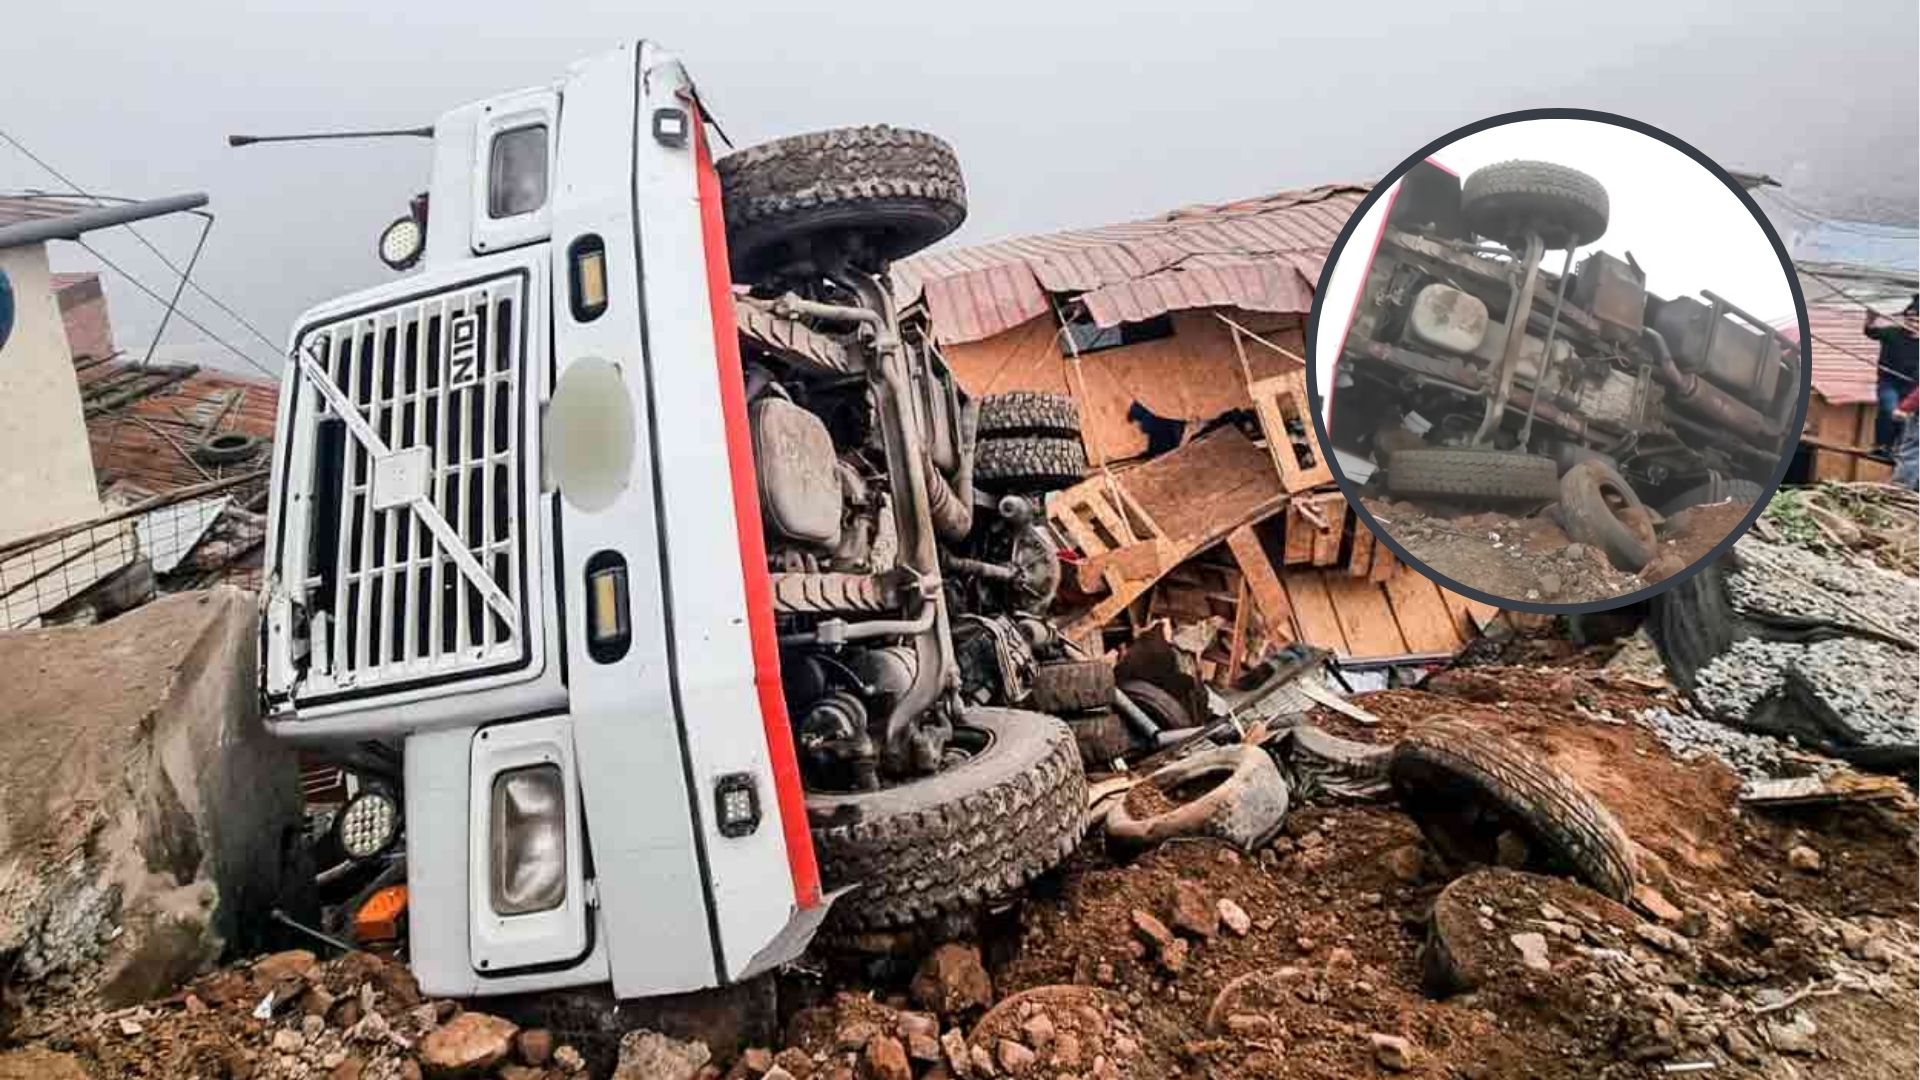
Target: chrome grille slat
403, 607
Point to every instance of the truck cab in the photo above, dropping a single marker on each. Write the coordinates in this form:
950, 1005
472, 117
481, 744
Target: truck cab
541, 545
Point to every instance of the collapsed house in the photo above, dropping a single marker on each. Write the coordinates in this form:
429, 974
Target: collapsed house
1207, 512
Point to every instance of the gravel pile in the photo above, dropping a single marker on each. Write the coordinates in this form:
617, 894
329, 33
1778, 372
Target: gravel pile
1754, 757
1868, 684
1791, 582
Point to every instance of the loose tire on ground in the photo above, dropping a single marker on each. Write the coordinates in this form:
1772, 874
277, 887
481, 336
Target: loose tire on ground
948, 843
1472, 474
1026, 412
1466, 787
1504, 201
1102, 736
1071, 686
1599, 508
1245, 806
1160, 706
897, 190
1029, 464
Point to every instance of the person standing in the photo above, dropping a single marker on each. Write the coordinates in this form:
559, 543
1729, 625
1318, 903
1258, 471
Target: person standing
1899, 369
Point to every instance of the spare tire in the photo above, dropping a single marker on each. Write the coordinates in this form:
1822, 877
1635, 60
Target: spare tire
894, 190
1027, 412
1245, 806
1102, 737
1600, 508
1472, 473
1505, 201
1029, 464
1071, 686
948, 843
1161, 707
1465, 788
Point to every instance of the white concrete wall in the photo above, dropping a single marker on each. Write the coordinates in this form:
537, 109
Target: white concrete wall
46, 468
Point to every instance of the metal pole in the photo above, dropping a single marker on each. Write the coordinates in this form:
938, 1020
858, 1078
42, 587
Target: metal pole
72, 226
199, 245
425, 132
1516, 334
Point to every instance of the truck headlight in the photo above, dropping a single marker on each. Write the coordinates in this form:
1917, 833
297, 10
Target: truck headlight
528, 840
367, 825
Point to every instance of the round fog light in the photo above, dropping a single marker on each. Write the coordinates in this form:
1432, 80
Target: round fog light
368, 825
401, 243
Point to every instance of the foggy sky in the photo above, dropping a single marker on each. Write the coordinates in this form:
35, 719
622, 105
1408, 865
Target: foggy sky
1062, 115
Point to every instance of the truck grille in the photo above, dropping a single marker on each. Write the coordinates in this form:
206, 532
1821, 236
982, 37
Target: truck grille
393, 605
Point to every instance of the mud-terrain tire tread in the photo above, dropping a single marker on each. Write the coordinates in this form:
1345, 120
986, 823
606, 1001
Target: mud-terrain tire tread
1071, 686
1590, 520
1102, 736
952, 842
901, 188
1498, 198
1472, 474
1029, 464
1029, 412
1566, 826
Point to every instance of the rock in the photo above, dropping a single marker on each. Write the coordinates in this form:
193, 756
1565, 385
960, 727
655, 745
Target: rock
315, 1002
1792, 1036
1574, 552
1067, 1053
521, 1072
1014, 1057
954, 1045
1406, 863
273, 967
1038, 1029
535, 1046
1234, 917
952, 980
1663, 939
349, 1068
982, 1061
286, 1041
1393, 1053
1152, 930
472, 1042
1654, 903
1739, 1047
569, 1059
1194, 911
1804, 859
884, 1059
1853, 939
854, 1035
778, 1072
909, 1024
1533, 950
312, 1026
923, 1048
1663, 567
1550, 584
1250, 1026
1339, 956
1173, 958
1877, 951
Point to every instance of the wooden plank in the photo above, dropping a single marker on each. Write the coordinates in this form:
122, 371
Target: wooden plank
1237, 641
1326, 542
1260, 579
1385, 563
1469, 615
1281, 401
1313, 611
1366, 620
1360, 559
1297, 544
1200, 492
1425, 623
1146, 559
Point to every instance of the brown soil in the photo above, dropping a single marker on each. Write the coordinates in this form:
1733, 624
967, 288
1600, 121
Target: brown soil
1532, 558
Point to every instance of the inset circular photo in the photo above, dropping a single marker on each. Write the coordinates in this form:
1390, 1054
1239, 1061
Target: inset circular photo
1555, 361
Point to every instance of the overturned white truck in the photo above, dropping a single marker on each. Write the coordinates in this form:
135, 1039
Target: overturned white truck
651, 638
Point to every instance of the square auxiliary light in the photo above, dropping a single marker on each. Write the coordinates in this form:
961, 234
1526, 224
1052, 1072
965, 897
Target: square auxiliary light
738, 801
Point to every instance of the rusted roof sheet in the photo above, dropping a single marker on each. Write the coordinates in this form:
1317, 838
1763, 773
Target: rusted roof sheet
146, 443
1261, 254
1845, 360
17, 208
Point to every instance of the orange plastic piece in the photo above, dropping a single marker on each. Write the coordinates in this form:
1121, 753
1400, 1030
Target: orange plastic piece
379, 918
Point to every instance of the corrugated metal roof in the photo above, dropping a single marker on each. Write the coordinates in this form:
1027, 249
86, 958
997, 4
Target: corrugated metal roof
17, 208
1845, 361
146, 443
1261, 254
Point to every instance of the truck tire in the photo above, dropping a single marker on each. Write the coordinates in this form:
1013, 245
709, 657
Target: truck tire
896, 190
1716, 489
1472, 474
1506, 200
1029, 464
1101, 736
1071, 686
1599, 508
1160, 706
1025, 412
948, 843
1245, 806
1466, 787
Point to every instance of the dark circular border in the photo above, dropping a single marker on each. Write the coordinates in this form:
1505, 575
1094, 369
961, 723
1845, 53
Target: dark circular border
1351, 490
